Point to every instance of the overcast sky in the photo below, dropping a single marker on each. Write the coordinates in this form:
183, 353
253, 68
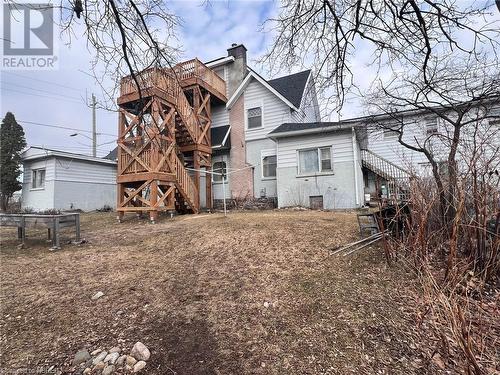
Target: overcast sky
59, 97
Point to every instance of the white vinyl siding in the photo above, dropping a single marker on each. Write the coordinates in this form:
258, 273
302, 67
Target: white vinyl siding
38, 199
390, 149
220, 116
69, 183
340, 142
274, 111
79, 171
338, 187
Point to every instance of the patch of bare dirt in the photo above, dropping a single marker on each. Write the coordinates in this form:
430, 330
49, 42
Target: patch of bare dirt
254, 293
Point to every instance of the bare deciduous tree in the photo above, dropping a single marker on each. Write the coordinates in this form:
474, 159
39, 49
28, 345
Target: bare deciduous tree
407, 35
124, 37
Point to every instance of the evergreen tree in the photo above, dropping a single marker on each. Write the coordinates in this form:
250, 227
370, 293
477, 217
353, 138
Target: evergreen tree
12, 143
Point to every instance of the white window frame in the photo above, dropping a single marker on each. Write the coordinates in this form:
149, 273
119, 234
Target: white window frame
213, 170
263, 154
388, 134
320, 171
33, 174
251, 105
433, 121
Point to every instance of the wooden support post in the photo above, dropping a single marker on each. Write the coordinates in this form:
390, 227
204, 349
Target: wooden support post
153, 214
208, 181
181, 117
120, 198
49, 237
196, 157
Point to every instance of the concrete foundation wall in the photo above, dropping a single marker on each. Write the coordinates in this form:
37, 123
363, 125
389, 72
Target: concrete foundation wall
337, 189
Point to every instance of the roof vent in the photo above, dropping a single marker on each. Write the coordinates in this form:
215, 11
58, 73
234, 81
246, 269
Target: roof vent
234, 45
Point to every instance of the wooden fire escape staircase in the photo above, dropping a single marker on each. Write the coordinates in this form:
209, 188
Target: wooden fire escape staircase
397, 179
164, 138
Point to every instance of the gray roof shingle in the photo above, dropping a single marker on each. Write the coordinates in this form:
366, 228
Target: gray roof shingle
292, 86
297, 126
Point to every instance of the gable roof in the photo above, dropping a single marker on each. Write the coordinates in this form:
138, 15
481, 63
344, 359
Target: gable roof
291, 91
292, 86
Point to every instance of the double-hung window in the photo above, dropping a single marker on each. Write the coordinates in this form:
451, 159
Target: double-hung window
38, 178
315, 160
254, 118
219, 169
269, 166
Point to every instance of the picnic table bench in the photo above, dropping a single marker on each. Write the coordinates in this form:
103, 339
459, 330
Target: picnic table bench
53, 223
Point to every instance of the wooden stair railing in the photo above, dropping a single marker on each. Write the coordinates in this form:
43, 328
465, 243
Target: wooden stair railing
185, 184
170, 82
188, 116
166, 81
398, 179
196, 69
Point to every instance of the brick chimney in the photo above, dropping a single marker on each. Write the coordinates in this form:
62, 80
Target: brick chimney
238, 69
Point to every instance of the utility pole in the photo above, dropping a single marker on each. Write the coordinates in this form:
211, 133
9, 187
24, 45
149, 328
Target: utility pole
94, 131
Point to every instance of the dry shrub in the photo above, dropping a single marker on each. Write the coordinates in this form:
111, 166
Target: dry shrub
458, 265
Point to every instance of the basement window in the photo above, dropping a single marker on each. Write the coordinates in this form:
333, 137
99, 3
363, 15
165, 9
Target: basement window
38, 178
219, 167
254, 117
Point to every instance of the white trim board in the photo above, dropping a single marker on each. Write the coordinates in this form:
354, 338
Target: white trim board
251, 74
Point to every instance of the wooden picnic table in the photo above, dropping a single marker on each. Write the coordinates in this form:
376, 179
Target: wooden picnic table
53, 223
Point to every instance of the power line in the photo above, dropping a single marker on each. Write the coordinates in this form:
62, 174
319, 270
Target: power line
62, 127
44, 96
47, 92
41, 80
82, 147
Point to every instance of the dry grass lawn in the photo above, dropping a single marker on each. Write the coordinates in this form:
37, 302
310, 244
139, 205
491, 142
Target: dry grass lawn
253, 293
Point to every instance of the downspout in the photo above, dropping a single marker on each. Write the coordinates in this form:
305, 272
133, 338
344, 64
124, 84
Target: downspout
355, 155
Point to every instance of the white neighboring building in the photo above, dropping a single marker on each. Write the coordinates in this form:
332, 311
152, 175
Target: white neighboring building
65, 181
